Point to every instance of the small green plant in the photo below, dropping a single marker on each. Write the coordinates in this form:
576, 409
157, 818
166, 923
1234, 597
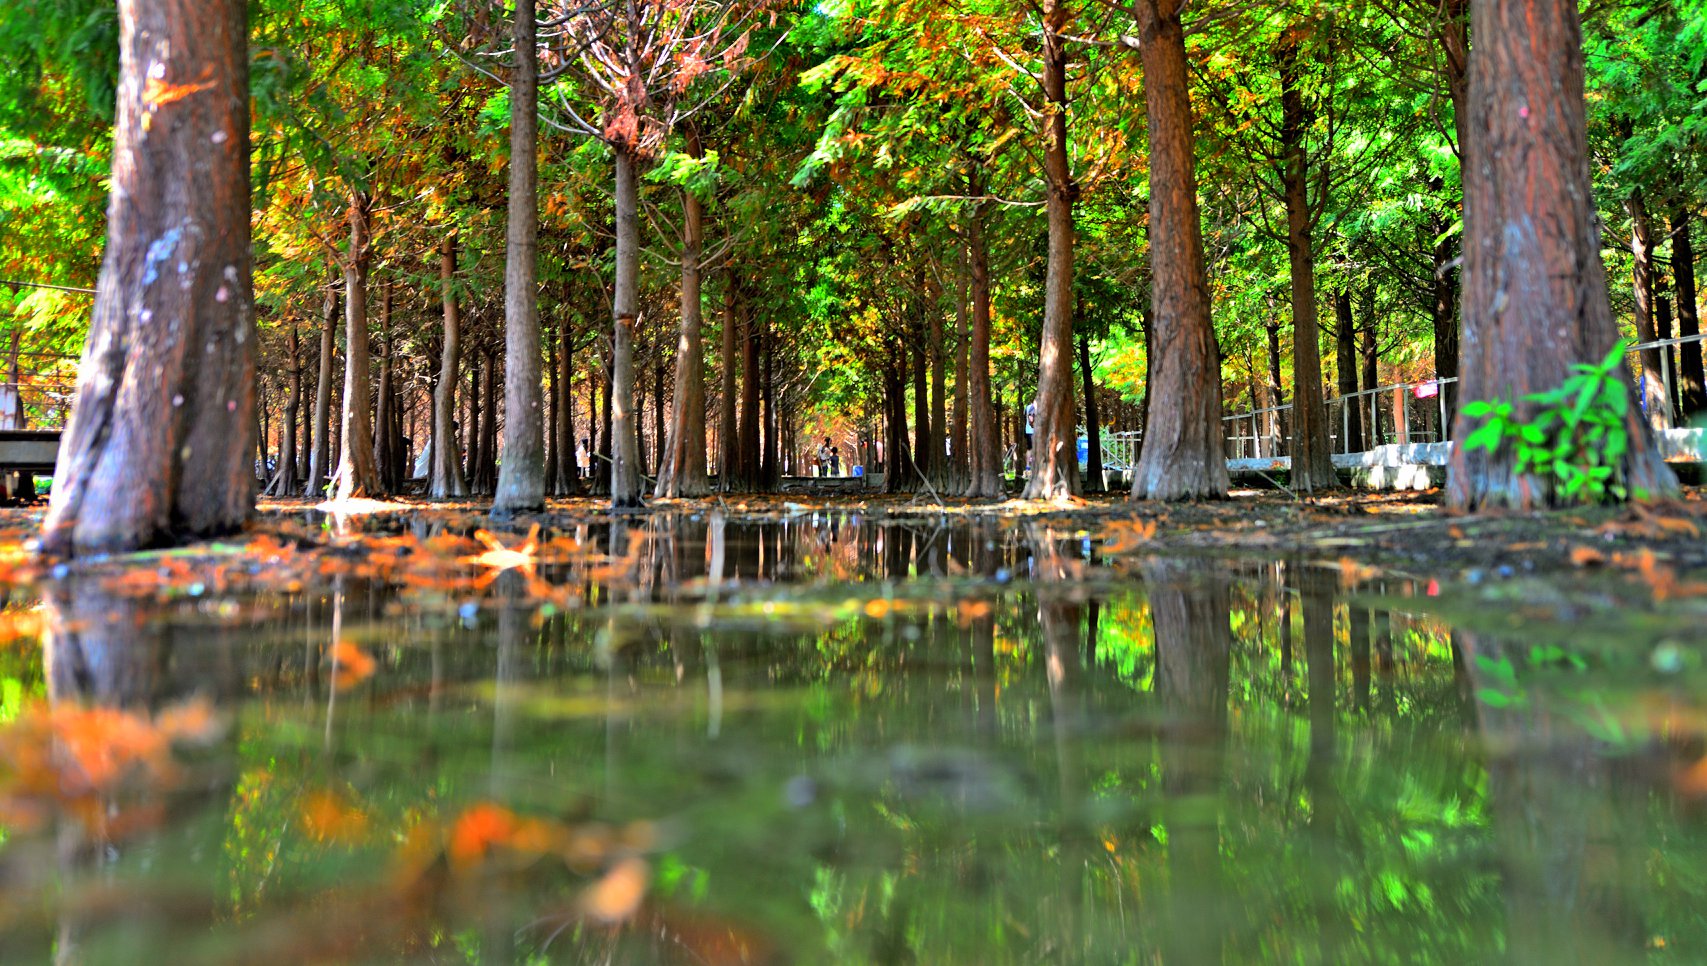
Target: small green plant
1577, 436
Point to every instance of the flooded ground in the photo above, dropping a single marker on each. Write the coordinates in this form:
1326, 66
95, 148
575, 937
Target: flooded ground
815, 736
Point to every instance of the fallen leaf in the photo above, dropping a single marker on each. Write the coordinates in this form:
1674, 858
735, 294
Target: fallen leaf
1587, 557
618, 894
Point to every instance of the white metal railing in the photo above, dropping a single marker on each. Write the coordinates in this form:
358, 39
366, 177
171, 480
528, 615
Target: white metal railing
1392, 414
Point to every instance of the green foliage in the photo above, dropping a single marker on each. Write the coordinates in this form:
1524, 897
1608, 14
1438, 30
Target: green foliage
1576, 437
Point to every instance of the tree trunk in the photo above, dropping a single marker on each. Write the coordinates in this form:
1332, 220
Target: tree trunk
320, 460
1443, 309
1184, 457
357, 475
1694, 383
748, 474
553, 415
1345, 362
1371, 360
985, 444
569, 471
960, 464
445, 458
521, 471
1312, 460
384, 439
767, 458
1534, 287
922, 434
938, 462
1652, 382
1278, 424
284, 480
1093, 427
625, 460
683, 470
158, 447
1054, 446
604, 474
727, 433
897, 460
486, 477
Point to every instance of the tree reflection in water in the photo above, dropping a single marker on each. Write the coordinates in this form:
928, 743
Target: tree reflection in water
857, 739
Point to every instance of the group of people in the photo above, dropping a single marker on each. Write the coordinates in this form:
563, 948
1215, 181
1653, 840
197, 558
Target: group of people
829, 459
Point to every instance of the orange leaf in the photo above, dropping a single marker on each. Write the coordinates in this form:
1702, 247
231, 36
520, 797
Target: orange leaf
328, 817
477, 830
617, 896
352, 662
1587, 557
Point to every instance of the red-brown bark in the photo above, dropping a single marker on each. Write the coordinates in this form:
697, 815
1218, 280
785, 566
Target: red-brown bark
1183, 456
984, 447
1534, 287
1054, 442
521, 470
682, 469
160, 442
1694, 382
357, 476
1312, 464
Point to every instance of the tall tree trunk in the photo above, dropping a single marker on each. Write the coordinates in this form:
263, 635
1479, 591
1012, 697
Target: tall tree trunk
568, 471
938, 462
1345, 363
158, 447
284, 480
1534, 287
471, 457
605, 430
682, 472
767, 464
659, 420
727, 433
320, 461
1371, 360
1312, 460
750, 454
1276, 386
1184, 457
1054, 447
985, 445
384, 437
960, 465
304, 438
1694, 382
553, 415
521, 472
357, 475
487, 477
1093, 427
922, 435
1652, 382
445, 457
1443, 308
897, 459
625, 461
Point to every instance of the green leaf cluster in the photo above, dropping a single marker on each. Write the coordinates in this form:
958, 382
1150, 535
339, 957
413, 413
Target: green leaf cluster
1577, 436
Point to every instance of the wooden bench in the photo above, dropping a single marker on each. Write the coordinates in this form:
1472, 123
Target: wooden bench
26, 450
822, 485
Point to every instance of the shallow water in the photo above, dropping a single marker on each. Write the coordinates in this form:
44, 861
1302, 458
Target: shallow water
825, 738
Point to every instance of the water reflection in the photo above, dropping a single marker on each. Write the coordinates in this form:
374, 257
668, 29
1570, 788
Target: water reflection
827, 736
